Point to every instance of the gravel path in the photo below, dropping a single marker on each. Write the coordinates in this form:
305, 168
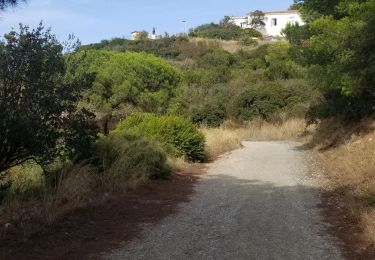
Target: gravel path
256, 203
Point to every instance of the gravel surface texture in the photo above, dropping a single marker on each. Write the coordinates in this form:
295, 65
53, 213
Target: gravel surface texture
259, 202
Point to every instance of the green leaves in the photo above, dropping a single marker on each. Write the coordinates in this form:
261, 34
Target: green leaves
122, 157
123, 80
38, 103
340, 52
226, 32
178, 135
261, 102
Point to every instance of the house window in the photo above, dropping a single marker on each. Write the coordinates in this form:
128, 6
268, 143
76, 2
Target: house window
274, 22
292, 20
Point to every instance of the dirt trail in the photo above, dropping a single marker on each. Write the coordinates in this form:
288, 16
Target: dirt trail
256, 203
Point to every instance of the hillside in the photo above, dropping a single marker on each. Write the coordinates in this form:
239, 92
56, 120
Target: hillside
120, 132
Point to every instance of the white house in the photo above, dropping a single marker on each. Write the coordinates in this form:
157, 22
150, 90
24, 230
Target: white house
240, 21
153, 35
275, 21
136, 35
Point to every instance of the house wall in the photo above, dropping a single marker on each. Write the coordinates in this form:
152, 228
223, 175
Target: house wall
241, 21
135, 36
282, 21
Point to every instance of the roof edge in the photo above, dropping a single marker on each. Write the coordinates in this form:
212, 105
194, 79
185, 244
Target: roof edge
280, 12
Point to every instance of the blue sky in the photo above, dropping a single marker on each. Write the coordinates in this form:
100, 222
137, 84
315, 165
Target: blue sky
95, 20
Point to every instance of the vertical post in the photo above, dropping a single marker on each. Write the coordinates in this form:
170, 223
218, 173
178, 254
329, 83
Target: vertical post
185, 28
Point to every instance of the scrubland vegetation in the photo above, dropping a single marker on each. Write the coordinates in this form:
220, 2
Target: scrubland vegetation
229, 135
80, 124
336, 45
347, 154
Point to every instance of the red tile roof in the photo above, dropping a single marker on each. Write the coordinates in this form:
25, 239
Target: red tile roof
281, 12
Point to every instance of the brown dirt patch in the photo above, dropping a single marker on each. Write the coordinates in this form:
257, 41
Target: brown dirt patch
91, 231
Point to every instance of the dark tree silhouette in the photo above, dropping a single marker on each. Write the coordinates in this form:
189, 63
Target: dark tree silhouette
257, 19
9, 3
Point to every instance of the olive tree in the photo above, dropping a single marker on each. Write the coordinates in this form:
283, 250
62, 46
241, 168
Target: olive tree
39, 118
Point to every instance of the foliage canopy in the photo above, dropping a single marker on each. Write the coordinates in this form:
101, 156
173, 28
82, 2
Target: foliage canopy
178, 135
124, 82
39, 118
338, 46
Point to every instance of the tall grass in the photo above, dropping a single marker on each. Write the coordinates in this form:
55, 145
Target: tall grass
231, 46
230, 135
260, 130
347, 153
220, 141
36, 200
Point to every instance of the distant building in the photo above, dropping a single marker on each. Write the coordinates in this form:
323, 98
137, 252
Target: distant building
142, 35
240, 21
153, 35
137, 35
275, 21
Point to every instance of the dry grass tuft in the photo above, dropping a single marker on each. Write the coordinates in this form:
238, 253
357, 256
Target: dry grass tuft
290, 129
79, 185
368, 224
348, 156
31, 212
177, 164
229, 136
230, 46
35, 200
220, 141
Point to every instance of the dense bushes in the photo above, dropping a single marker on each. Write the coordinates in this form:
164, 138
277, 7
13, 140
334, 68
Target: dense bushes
117, 161
29, 198
243, 85
176, 134
223, 32
268, 99
280, 64
167, 47
120, 156
260, 102
39, 116
212, 115
337, 45
124, 82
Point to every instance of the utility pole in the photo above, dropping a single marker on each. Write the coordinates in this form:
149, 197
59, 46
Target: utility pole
185, 27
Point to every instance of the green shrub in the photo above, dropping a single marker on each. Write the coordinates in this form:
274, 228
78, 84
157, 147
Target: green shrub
124, 81
4, 191
251, 32
226, 31
260, 102
215, 57
249, 37
178, 135
280, 64
217, 31
26, 180
249, 41
167, 47
212, 115
127, 157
